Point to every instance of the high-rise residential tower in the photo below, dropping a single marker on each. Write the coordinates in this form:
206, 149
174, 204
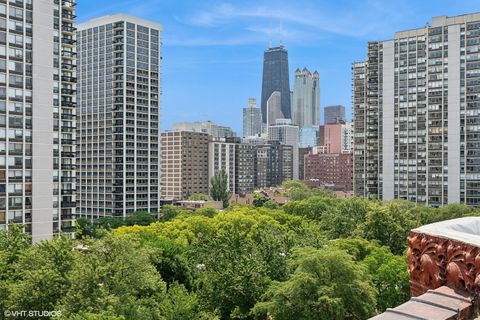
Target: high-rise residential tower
306, 99
37, 116
222, 156
252, 119
416, 115
184, 163
118, 116
245, 168
287, 134
274, 164
275, 78
334, 114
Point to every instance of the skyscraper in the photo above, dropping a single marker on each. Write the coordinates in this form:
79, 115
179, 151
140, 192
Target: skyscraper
275, 78
274, 108
334, 114
37, 116
306, 99
416, 132
287, 134
118, 118
252, 119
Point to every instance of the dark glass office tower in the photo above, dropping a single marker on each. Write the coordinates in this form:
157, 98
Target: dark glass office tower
275, 78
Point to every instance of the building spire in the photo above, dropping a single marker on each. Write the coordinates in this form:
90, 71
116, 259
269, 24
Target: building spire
281, 34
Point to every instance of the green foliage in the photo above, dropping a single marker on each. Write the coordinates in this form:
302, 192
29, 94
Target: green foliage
270, 204
109, 223
325, 284
140, 218
199, 196
317, 257
390, 277
219, 187
296, 190
206, 211
85, 228
259, 199
388, 272
168, 212
41, 275
115, 273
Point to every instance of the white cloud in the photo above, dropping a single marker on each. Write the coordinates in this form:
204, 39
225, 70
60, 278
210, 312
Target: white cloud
354, 20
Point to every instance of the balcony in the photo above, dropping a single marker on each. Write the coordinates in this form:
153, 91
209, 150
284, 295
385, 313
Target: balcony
68, 166
68, 116
68, 141
68, 66
68, 4
68, 191
68, 41
68, 154
68, 54
69, 92
68, 28
68, 103
69, 79
69, 16
68, 128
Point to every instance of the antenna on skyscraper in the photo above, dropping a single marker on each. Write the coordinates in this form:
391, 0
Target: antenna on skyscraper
270, 35
281, 34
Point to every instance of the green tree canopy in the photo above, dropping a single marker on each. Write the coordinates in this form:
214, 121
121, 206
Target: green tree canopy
219, 187
325, 284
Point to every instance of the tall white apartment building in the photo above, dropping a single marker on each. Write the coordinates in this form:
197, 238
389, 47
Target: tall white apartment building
37, 116
347, 136
287, 134
222, 156
118, 116
417, 106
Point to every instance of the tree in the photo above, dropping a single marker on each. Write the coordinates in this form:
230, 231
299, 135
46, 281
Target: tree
168, 212
13, 244
199, 196
109, 223
84, 228
296, 190
140, 218
41, 275
219, 187
259, 199
115, 272
183, 305
325, 284
390, 276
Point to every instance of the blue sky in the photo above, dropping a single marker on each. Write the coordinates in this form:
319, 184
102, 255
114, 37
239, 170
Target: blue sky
212, 50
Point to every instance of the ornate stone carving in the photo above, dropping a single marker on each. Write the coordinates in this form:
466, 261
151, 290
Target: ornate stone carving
435, 261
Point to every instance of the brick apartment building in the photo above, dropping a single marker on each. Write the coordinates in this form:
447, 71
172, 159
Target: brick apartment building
332, 170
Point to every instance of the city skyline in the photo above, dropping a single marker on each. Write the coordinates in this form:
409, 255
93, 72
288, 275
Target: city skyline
199, 37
